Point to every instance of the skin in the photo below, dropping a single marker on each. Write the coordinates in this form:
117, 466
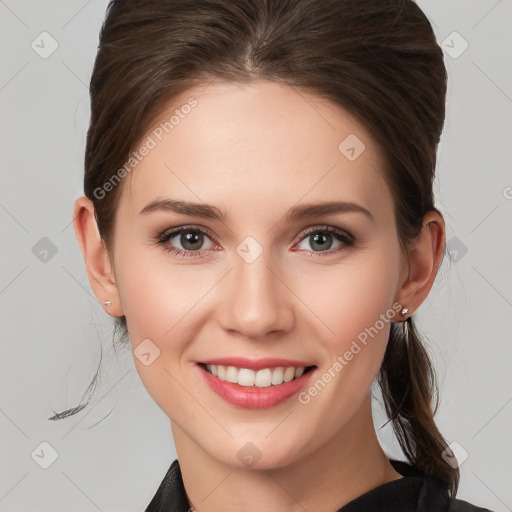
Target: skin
255, 151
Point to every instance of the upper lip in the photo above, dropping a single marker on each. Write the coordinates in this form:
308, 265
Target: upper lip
257, 364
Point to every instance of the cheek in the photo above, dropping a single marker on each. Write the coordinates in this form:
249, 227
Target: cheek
351, 296
158, 295
162, 303
358, 307
356, 302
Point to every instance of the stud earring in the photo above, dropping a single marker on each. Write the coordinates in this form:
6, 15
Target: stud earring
405, 311
108, 303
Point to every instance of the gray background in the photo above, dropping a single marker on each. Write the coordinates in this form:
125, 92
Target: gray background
53, 328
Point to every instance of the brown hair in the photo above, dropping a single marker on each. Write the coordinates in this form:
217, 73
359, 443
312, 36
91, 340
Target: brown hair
376, 58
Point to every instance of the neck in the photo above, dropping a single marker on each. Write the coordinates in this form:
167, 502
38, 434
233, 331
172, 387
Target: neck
351, 463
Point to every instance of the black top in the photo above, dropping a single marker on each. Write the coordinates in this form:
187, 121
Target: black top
413, 493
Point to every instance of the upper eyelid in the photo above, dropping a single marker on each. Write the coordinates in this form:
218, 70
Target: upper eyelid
173, 231
325, 227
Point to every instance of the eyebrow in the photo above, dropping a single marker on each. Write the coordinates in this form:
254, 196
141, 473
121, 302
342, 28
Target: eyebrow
212, 212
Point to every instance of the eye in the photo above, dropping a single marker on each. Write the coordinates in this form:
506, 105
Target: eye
321, 240
191, 240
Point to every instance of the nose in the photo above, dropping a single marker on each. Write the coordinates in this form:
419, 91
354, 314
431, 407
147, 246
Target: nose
255, 299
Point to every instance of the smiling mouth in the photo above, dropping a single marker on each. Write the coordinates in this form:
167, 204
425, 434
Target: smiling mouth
266, 377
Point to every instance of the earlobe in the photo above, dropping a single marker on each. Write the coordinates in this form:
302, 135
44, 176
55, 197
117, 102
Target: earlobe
425, 254
96, 258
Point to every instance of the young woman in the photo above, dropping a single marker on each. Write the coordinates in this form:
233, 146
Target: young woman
259, 218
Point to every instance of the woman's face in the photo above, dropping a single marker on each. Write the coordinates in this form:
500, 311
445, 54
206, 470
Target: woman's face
259, 282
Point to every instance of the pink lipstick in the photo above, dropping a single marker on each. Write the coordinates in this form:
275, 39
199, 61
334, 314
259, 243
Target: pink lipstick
253, 397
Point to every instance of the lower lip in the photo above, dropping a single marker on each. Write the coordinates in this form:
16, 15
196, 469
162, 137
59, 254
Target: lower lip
253, 397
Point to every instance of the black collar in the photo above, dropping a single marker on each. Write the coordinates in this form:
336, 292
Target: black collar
413, 493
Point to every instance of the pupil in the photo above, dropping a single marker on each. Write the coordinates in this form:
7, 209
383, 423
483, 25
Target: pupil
324, 241
191, 239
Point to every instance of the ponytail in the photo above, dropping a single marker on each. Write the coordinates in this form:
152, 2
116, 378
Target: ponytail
408, 382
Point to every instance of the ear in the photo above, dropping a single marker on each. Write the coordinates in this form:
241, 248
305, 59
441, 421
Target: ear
425, 254
96, 258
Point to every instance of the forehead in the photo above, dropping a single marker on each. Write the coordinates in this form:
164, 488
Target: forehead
253, 145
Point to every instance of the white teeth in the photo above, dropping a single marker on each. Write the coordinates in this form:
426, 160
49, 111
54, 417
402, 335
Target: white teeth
263, 378
232, 374
289, 374
260, 379
247, 377
277, 376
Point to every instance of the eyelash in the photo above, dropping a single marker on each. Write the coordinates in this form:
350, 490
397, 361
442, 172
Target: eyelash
342, 236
